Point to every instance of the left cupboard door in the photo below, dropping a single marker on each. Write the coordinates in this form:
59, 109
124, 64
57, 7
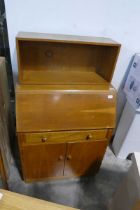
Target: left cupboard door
42, 161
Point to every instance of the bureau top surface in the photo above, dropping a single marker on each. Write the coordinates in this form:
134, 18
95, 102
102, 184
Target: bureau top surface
66, 38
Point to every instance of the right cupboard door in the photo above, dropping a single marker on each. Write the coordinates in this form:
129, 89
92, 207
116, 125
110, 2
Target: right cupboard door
84, 157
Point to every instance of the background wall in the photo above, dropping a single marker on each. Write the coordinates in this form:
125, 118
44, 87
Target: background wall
116, 19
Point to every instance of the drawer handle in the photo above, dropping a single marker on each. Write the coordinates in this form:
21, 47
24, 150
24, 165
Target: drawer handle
69, 157
44, 139
61, 157
89, 136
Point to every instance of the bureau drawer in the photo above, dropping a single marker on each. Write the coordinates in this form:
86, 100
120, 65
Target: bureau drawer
56, 137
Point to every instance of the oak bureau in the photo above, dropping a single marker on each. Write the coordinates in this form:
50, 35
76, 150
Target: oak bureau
65, 103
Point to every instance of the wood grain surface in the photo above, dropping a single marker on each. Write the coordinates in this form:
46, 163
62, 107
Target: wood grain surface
65, 104
59, 59
84, 158
61, 136
66, 154
6, 127
43, 160
15, 201
65, 38
52, 110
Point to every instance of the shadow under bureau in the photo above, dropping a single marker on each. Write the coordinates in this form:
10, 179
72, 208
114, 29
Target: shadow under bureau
65, 104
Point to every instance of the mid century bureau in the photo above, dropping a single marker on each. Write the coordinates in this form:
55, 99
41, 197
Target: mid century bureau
65, 104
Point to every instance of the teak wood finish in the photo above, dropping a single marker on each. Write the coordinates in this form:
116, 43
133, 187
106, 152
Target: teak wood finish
61, 136
56, 109
63, 59
59, 154
65, 104
43, 161
87, 161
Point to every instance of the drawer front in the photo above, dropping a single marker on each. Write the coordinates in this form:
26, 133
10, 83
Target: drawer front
54, 110
56, 137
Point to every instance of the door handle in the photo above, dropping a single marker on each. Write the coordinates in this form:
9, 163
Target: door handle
44, 139
61, 157
89, 136
69, 157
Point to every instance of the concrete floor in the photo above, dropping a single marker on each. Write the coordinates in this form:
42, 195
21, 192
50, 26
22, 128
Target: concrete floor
85, 193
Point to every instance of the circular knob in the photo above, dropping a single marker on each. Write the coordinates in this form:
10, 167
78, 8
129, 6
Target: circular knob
89, 136
61, 157
44, 139
69, 157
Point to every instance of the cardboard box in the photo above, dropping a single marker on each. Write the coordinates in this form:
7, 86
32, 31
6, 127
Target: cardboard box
132, 85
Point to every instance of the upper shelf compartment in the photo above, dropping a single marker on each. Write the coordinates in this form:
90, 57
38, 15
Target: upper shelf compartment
64, 59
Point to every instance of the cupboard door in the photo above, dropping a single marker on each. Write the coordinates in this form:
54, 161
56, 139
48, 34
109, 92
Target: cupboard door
84, 158
43, 161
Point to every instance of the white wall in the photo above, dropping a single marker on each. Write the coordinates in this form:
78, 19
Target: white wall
118, 19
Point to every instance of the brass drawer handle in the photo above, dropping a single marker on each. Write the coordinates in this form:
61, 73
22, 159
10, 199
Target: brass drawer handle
61, 157
69, 157
44, 139
89, 136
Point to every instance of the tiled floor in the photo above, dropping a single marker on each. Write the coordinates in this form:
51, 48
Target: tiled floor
85, 193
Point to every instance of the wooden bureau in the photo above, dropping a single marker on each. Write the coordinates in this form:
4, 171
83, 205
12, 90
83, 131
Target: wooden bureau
65, 104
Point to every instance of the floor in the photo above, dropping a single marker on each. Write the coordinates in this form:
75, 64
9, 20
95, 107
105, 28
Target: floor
84, 193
